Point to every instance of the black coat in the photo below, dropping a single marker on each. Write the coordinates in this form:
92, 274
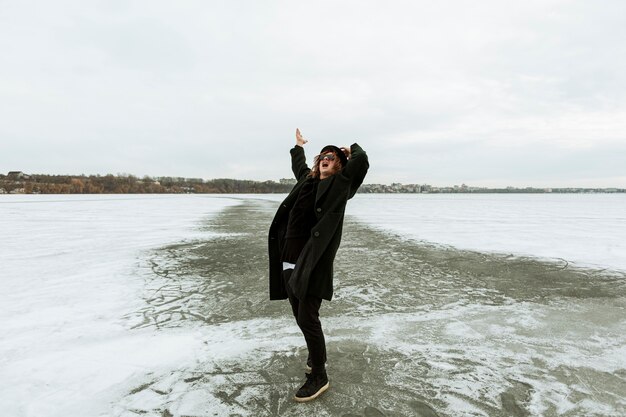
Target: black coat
313, 274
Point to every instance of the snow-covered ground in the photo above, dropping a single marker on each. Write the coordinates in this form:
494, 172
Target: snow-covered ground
73, 274
68, 275
587, 229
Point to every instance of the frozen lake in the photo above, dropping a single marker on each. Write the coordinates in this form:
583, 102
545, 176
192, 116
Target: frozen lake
587, 229
445, 305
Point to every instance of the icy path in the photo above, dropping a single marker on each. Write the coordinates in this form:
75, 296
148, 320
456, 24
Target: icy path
413, 330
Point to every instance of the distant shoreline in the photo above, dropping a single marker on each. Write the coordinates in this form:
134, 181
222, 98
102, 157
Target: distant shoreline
17, 182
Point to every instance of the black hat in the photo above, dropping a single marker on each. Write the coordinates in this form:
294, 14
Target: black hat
342, 156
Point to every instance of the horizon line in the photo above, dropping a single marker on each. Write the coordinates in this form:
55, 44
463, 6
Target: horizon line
463, 185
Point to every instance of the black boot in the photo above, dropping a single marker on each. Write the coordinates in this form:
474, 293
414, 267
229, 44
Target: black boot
315, 385
309, 365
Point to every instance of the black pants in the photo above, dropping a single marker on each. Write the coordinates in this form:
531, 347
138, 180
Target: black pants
307, 314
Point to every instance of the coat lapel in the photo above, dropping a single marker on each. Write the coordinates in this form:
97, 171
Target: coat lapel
323, 187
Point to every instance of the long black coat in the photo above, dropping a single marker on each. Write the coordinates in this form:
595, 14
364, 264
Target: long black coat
313, 274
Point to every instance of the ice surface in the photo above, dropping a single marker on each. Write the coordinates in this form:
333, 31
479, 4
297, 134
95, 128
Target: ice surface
157, 306
68, 272
587, 229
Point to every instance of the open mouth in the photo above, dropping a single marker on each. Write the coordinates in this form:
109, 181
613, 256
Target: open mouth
324, 164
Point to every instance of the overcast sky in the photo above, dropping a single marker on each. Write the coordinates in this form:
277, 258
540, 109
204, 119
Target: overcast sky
487, 93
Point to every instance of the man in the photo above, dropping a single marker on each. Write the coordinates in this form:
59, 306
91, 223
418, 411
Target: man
303, 240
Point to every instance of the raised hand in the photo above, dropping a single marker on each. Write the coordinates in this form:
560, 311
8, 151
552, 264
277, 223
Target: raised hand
300, 141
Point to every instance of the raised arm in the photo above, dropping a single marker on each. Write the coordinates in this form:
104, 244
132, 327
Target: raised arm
356, 168
298, 160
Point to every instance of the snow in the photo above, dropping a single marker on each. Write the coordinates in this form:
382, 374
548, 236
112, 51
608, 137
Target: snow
68, 277
587, 229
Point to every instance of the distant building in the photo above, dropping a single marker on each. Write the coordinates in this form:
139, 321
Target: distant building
17, 175
287, 181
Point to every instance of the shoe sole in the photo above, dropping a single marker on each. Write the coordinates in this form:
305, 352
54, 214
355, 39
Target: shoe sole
314, 396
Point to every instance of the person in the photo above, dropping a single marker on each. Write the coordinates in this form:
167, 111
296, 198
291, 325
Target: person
303, 239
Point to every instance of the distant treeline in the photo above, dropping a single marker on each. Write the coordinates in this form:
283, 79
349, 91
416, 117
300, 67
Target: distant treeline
19, 183
129, 184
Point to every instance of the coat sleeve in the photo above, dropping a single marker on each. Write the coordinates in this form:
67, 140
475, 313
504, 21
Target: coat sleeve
298, 162
356, 168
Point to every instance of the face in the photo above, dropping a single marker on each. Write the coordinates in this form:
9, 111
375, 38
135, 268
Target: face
328, 163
